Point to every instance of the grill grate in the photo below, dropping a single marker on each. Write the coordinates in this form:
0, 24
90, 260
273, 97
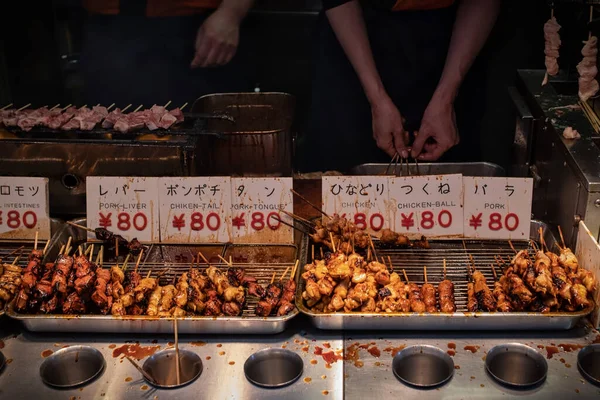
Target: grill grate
7, 248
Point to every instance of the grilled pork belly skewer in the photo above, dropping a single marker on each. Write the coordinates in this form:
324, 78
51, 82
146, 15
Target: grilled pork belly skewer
446, 293
29, 277
429, 294
499, 292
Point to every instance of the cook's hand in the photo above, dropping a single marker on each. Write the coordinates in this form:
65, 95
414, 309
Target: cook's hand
438, 131
388, 129
217, 39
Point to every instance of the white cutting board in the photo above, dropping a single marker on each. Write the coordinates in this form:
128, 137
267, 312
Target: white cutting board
588, 255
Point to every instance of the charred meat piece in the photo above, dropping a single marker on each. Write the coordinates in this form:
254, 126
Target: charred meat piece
62, 271
446, 293
415, 297
429, 298
231, 308
483, 294
73, 304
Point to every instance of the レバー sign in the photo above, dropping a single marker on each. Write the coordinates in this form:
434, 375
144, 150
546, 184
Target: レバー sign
24, 208
128, 206
256, 210
497, 208
195, 209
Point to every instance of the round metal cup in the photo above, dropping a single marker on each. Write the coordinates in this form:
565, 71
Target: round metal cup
588, 362
72, 366
516, 365
273, 368
162, 368
423, 366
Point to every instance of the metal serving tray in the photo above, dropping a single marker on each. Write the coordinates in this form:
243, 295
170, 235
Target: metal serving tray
457, 259
467, 169
247, 323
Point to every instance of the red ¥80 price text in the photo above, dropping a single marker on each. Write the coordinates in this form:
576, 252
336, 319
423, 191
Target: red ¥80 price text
427, 219
14, 219
496, 221
364, 221
123, 221
257, 220
198, 221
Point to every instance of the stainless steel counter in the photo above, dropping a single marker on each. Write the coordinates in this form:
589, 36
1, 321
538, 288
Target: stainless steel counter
223, 358
367, 376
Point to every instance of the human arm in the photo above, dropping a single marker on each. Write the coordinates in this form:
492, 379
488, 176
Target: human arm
218, 37
474, 22
348, 24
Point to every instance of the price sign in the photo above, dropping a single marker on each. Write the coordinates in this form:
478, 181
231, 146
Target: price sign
363, 200
497, 208
24, 208
256, 205
127, 206
195, 209
428, 205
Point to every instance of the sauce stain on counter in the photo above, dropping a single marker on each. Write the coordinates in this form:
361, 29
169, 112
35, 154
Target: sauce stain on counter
457, 367
199, 343
451, 353
452, 346
472, 348
394, 350
144, 387
570, 347
9, 361
231, 362
219, 345
374, 351
208, 357
112, 346
329, 357
327, 345
325, 392
313, 362
307, 380
135, 351
221, 353
128, 379
551, 350
46, 353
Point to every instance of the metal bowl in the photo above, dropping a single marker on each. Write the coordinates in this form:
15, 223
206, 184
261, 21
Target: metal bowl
516, 365
588, 362
423, 366
273, 368
72, 366
162, 368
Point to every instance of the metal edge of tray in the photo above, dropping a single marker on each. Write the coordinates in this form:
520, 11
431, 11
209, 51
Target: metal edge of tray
145, 324
467, 169
441, 321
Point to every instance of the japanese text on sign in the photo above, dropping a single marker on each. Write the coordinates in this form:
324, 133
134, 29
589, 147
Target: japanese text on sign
497, 208
361, 199
125, 205
428, 205
256, 210
195, 209
24, 208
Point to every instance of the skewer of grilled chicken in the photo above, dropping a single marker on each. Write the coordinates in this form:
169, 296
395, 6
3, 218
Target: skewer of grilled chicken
428, 294
446, 294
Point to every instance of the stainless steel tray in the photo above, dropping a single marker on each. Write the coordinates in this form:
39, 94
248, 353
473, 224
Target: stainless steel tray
413, 260
247, 323
467, 169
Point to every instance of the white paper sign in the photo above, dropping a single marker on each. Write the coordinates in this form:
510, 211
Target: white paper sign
497, 208
428, 205
24, 208
255, 210
195, 209
363, 200
128, 206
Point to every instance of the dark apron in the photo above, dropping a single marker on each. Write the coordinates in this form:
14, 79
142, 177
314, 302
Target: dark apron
139, 60
409, 49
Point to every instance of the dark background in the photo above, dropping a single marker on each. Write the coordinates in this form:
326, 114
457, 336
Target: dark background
41, 41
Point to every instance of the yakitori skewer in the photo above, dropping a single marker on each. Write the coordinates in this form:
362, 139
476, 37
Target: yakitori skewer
35, 242
6, 106
24, 107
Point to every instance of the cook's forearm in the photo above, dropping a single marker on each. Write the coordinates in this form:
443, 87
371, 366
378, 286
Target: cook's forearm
237, 8
349, 26
474, 22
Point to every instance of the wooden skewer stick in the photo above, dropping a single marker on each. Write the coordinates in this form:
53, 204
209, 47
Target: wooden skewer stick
332, 241
444, 261
284, 272
373, 247
391, 265
293, 274
67, 106
164, 271
309, 203
125, 109
54, 107
417, 166
68, 246
109, 107
369, 253
183, 106
146, 375
562, 238
425, 272
101, 252
138, 109
230, 261
62, 249
24, 107
168, 103
149, 273
224, 260
46, 247
405, 276
16, 260
177, 372
322, 255
542, 242
80, 249
98, 256
137, 263
312, 253
35, 242
90, 250
6, 106
203, 258
273, 277
124, 268
494, 272
512, 247
117, 247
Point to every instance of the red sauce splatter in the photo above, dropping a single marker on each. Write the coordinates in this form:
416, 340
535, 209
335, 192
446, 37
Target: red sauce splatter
562, 360
568, 365
230, 363
394, 350
198, 343
9, 360
221, 353
352, 355
46, 353
328, 366
551, 350
374, 351
472, 348
325, 392
135, 350
452, 346
307, 380
452, 353
377, 364
128, 379
327, 345
570, 347
540, 346
457, 367
482, 385
364, 346
313, 362
145, 387
112, 346
208, 357
330, 357
305, 349
219, 345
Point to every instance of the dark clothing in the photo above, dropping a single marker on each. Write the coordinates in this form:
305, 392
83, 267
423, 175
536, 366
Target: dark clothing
150, 8
395, 5
138, 60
